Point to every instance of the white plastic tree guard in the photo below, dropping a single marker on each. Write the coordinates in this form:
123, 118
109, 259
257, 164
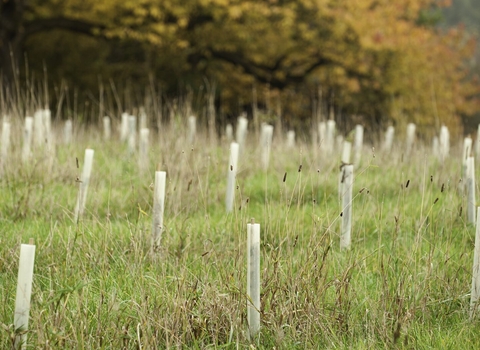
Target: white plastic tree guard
471, 196
132, 134
241, 135
475, 293
266, 144
444, 143
68, 132
124, 127
388, 143
290, 139
27, 139
231, 177
229, 132
24, 293
346, 229
84, 182
158, 208
5, 147
38, 127
107, 128
253, 279
330, 137
410, 138
143, 149
192, 129
358, 144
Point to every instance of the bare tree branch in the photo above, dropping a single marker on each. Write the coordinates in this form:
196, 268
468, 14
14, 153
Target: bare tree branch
73, 25
269, 74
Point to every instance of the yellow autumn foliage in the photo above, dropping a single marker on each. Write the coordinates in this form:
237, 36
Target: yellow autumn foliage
369, 57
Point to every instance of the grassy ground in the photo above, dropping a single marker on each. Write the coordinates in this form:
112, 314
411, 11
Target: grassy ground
404, 284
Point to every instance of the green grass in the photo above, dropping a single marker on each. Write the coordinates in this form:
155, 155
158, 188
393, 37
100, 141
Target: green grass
404, 284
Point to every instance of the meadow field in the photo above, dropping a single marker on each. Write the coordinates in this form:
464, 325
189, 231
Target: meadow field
405, 283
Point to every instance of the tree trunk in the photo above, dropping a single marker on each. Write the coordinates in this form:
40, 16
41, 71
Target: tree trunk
14, 30
6, 65
11, 37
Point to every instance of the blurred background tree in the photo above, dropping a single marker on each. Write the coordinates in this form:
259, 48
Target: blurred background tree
379, 61
466, 14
